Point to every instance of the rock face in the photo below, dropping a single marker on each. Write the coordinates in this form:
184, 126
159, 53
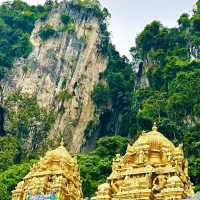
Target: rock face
142, 78
68, 63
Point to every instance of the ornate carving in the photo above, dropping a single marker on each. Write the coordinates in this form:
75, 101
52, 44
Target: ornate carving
152, 169
159, 183
141, 157
56, 172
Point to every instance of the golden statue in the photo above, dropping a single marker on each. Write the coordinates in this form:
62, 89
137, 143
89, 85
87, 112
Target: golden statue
152, 169
55, 174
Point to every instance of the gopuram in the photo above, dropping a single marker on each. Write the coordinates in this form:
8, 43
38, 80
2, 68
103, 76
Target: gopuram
152, 169
54, 177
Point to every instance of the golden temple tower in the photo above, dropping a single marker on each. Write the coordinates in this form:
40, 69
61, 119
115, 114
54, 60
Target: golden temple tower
152, 169
56, 176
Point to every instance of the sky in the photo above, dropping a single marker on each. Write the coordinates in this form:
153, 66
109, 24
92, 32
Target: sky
129, 17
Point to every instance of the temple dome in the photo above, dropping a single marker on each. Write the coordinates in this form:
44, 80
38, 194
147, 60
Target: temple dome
56, 173
155, 140
59, 153
152, 169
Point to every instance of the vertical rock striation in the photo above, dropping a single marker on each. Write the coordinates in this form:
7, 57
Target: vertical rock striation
68, 63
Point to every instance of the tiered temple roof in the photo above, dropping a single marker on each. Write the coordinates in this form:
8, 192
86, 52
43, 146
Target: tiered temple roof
55, 175
152, 169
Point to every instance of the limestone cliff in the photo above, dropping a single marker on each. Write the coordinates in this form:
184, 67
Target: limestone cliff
68, 62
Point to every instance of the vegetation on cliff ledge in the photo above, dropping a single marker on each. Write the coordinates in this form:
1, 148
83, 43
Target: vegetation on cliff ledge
17, 21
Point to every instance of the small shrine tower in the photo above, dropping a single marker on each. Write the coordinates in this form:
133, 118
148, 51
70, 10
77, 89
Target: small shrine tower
152, 169
56, 176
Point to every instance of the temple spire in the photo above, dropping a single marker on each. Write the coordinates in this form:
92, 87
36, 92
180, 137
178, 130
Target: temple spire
154, 128
62, 142
47, 179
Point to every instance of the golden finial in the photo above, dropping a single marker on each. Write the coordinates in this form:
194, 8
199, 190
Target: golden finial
154, 128
143, 132
62, 142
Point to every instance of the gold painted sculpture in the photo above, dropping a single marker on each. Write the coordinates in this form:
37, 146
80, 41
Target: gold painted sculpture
152, 169
56, 173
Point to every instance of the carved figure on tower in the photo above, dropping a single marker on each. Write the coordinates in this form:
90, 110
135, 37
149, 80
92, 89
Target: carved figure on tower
152, 169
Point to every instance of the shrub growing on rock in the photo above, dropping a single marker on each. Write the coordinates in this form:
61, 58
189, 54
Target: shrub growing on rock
46, 32
65, 18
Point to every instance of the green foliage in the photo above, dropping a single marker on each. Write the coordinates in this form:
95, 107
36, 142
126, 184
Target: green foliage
101, 95
71, 27
63, 96
184, 95
65, 18
28, 119
8, 151
47, 31
103, 45
146, 40
116, 113
192, 147
152, 108
184, 21
68, 23
196, 23
10, 177
17, 21
88, 5
110, 146
4, 195
96, 166
93, 172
